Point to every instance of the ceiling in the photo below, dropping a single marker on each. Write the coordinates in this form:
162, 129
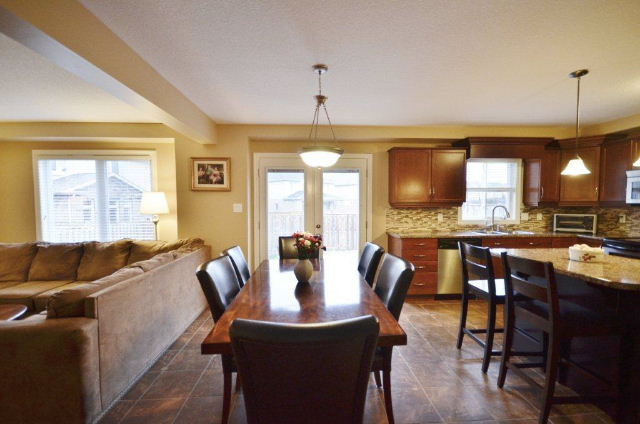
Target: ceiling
34, 89
390, 63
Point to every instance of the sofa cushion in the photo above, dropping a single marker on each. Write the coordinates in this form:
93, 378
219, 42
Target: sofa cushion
155, 262
24, 293
70, 303
41, 299
103, 258
15, 260
146, 249
56, 261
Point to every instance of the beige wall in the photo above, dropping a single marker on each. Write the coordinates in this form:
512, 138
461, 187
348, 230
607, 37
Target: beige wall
17, 207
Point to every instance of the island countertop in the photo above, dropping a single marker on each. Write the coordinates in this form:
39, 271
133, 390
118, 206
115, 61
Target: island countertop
612, 271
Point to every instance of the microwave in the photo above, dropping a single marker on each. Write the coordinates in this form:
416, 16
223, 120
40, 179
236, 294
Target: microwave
575, 223
633, 187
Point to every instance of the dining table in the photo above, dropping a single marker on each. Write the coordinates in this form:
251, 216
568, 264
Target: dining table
335, 291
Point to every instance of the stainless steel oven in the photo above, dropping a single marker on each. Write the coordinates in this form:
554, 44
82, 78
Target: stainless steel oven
633, 187
575, 223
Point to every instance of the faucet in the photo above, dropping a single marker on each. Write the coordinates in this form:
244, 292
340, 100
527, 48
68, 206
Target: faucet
493, 216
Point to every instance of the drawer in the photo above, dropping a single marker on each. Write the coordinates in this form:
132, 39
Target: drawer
429, 286
425, 266
534, 242
501, 242
563, 241
419, 243
414, 255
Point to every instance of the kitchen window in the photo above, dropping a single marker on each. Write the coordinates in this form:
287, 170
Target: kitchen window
492, 182
84, 196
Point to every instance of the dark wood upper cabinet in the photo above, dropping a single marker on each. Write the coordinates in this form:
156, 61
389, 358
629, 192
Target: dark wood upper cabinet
581, 190
532, 191
426, 177
550, 177
448, 176
617, 158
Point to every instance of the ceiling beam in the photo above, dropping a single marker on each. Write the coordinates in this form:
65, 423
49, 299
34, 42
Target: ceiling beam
69, 35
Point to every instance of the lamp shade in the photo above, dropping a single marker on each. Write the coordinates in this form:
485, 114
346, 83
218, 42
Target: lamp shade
153, 203
320, 156
576, 167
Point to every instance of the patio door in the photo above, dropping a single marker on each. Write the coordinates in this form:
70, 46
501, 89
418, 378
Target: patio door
290, 196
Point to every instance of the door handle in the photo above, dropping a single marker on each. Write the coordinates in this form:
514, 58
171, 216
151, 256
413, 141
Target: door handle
317, 225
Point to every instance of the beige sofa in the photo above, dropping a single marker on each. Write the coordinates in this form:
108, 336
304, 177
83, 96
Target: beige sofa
101, 314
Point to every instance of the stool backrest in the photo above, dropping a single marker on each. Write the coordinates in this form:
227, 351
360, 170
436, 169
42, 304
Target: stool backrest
477, 265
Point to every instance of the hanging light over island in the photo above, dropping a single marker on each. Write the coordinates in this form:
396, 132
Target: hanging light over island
316, 155
576, 166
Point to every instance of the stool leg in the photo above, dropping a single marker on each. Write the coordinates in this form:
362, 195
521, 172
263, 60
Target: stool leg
506, 345
376, 376
491, 328
463, 318
553, 360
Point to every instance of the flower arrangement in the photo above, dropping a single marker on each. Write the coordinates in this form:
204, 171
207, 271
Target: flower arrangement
308, 244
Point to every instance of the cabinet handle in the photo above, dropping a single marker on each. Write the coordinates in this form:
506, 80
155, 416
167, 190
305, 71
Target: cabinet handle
420, 244
497, 244
541, 192
419, 284
420, 267
531, 243
419, 256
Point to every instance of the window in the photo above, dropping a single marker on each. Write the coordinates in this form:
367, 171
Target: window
92, 196
492, 182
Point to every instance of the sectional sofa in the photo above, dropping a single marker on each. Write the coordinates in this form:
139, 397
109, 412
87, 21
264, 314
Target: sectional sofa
100, 315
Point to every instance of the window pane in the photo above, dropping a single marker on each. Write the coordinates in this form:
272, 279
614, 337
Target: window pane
341, 209
490, 183
285, 206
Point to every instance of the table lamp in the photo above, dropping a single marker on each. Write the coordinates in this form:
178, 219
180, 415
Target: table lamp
154, 203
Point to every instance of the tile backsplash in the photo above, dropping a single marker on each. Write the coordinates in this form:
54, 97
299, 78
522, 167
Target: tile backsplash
427, 219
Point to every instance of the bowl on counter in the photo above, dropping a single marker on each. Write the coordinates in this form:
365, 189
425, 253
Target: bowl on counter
584, 253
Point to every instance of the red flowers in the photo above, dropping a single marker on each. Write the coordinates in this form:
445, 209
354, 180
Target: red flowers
307, 244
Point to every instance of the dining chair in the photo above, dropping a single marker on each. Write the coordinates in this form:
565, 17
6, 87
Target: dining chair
478, 279
220, 285
532, 302
391, 287
239, 264
369, 261
288, 250
304, 373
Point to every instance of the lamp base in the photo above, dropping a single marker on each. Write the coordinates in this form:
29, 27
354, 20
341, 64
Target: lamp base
155, 219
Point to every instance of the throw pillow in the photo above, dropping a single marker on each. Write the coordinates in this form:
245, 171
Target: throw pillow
15, 260
56, 261
103, 258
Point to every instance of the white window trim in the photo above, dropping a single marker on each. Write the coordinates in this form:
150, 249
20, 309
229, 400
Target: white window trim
85, 154
515, 216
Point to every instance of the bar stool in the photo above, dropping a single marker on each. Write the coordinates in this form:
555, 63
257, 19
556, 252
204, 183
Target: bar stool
532, 296
476, 262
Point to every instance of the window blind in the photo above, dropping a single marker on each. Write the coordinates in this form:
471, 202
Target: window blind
88, 198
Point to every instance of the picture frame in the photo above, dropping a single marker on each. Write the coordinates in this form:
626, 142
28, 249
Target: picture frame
211, 174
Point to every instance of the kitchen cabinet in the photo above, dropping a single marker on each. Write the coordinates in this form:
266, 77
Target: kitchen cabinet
426, 177
423, 253
617, 158
550, 177
581, 190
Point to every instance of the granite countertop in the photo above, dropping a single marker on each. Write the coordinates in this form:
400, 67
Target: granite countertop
613, 271
471, 234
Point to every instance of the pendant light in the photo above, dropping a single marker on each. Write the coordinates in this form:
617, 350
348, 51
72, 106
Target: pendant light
576, 166
316, 155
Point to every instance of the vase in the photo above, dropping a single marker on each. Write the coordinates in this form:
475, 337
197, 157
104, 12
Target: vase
303, 270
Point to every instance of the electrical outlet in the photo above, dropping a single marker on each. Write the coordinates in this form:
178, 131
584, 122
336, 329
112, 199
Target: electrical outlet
539, 217
237, 207
524, 216
440, 217
622, 218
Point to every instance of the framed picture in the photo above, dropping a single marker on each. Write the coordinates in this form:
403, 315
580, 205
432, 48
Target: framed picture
211, 174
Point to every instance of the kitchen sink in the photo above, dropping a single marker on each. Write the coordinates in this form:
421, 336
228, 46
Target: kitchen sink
502, 233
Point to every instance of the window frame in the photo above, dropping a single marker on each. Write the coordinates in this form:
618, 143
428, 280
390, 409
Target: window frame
515, 216
87, 154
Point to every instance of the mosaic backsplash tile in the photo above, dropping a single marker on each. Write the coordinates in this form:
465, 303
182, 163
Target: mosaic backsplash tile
425, 220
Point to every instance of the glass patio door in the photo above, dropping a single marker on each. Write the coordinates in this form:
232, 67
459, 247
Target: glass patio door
291, 196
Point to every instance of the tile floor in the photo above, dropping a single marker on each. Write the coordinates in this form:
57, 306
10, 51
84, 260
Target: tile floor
432, 381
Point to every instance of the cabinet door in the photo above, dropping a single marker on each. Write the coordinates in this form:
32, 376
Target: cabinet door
448, 176
532, 182
550, 177
581, 189
409, 177
616, 160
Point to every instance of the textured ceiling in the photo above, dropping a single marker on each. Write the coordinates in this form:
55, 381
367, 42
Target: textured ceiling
34, 89
391, 62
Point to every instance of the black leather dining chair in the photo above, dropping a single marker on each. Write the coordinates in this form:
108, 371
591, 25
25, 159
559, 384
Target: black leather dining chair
369, 261
391, 287
305, 373
220, 285
288, 250
239, 264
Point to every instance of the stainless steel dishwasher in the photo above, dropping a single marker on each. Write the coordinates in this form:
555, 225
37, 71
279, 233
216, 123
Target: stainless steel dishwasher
450, 265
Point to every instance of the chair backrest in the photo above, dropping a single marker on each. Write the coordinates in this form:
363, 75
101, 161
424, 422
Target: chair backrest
288, 250
219, 283
369, 261
531, 290
239, 263
477, 265
304, 373
393, 283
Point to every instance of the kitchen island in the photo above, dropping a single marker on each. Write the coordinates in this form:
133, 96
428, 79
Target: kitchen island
609, 289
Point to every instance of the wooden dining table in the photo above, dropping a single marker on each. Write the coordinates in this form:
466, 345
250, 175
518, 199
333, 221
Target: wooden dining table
336, 291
